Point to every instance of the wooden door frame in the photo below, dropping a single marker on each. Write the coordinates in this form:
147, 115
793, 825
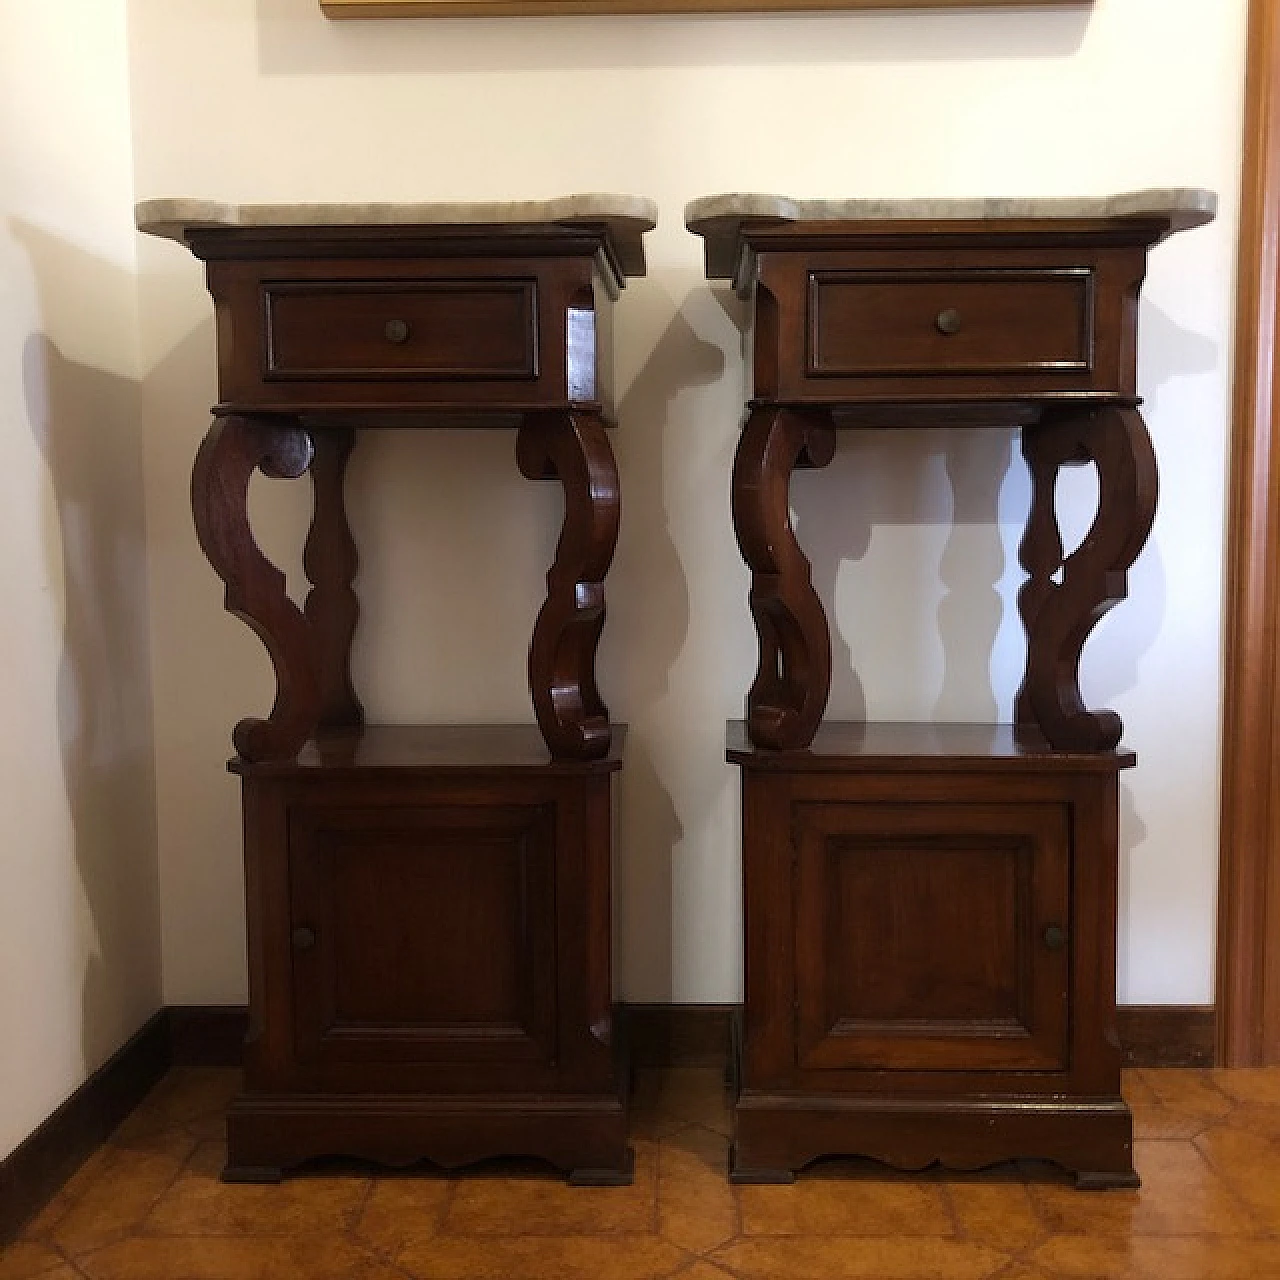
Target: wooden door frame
1248, 975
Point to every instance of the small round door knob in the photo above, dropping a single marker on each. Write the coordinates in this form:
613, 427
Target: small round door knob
1055, 938
948, 321
303, 938
396, 331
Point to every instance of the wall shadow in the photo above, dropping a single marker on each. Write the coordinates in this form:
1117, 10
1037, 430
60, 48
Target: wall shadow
649, 611
87, 425
925, 478
295, 39
1133, 834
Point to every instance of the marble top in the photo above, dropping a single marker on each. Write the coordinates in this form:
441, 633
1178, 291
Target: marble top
627, 217
719, 218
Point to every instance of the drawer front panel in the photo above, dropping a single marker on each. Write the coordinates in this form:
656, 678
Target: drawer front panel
932, 937
866, 323
447, 329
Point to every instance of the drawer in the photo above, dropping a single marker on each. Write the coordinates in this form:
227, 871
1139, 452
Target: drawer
445, 329
929, 323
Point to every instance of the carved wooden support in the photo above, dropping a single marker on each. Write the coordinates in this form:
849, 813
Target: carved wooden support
330, 559
1063, 599
572, 447
787, 699
233, 450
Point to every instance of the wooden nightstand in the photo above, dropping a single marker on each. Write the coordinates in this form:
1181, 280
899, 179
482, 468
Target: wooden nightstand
930, 911
428, 907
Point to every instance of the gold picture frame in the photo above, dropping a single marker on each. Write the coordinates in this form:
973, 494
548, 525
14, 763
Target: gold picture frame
348, 9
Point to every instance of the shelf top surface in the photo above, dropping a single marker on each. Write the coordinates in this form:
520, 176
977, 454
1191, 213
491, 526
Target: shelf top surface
719, 219
900, 747
626, 217
432, 748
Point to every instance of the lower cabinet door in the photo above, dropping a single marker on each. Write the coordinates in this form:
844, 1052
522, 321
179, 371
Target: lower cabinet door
932, 936
423, 935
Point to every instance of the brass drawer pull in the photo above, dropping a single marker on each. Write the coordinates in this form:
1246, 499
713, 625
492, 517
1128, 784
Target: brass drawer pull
948, 321
1055, 938
396, 331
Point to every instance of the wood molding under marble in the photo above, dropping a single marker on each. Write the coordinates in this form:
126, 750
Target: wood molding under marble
1248, 977
497, 8
32, 1173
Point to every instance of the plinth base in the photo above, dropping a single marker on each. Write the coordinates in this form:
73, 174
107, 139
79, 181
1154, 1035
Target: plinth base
584, 1137
775, 1135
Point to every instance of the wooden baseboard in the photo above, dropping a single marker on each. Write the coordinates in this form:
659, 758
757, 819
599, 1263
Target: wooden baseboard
678, 1035
1158, 1035
207, 1035
33, 1172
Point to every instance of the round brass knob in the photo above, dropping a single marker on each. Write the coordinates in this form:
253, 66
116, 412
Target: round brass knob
948, 321
396, 331
1055, 938
303, 938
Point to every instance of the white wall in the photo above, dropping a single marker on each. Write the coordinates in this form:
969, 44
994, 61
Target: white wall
79, 903
913, 536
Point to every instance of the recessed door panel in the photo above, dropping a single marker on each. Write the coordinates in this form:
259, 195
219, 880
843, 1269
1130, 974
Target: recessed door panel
931, 936
423, 934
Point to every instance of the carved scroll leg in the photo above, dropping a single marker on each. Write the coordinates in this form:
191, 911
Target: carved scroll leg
787, 699
1059, 610
332, 608
233, 449
572, 447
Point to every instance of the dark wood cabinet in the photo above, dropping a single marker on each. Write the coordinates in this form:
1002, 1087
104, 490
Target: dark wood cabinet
428, 908
930, 926
930, 911
428, 917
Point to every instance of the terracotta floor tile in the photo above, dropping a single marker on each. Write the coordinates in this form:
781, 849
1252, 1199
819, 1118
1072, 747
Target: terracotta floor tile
860, 1258
703, 1270
1180, 1195
542, 1258
688, 1095
121, 1191
696, 1207
1191, 1092
1025, 1271
31, 1260
1254, 1086
1173, 1105
1136, 1089
546, 1205
401, 1209
849, 1199
186, 1096
1158, 1123
1159, 1258
235, 1258
996, 1213
1250, 1164
198, 1204
44, 1222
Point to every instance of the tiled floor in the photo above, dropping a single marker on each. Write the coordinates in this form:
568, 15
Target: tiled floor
148, 1206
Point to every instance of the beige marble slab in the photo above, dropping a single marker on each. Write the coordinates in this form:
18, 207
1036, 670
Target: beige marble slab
719, 218
627, 217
